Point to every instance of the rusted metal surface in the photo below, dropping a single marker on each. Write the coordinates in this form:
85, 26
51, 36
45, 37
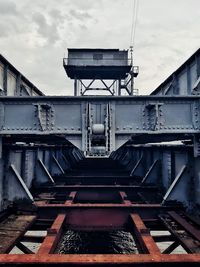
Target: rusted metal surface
86, 260
187, 226
86, 207
53, 235
142, 189
144, 238
101, 215
12, 228
183, 235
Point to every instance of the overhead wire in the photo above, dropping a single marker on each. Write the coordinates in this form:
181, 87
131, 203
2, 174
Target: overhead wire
134, 21
132, 39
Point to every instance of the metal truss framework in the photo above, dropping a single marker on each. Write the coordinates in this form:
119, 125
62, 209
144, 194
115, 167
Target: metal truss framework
121, 119
86, 207
140, 189
113, 87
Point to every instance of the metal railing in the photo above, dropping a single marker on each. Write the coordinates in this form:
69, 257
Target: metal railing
91, 61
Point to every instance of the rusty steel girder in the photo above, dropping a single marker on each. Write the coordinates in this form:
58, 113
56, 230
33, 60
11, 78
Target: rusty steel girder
103, 207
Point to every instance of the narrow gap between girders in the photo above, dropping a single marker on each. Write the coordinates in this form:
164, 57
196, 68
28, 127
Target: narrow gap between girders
100, 242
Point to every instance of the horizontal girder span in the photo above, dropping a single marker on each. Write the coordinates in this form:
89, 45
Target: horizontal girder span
103, 124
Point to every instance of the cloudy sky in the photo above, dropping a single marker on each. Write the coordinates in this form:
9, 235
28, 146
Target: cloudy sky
35, 35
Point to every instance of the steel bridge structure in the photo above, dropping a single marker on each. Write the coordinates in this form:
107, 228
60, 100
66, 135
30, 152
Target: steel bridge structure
101, 163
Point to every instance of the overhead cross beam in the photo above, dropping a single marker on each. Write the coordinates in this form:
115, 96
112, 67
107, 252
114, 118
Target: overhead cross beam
105, 122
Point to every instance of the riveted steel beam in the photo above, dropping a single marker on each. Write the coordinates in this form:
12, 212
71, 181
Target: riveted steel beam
122, 119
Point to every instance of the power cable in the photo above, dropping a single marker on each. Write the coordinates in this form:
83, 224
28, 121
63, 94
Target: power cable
134, 21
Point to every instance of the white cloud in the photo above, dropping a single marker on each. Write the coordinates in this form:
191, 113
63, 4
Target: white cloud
7, 8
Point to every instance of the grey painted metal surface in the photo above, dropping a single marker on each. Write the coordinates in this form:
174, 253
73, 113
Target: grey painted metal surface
99, 126
178, 179
24, 166
106, 70
16, 188
184, 81
121, 117
97, 57
13, 83
42, 175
